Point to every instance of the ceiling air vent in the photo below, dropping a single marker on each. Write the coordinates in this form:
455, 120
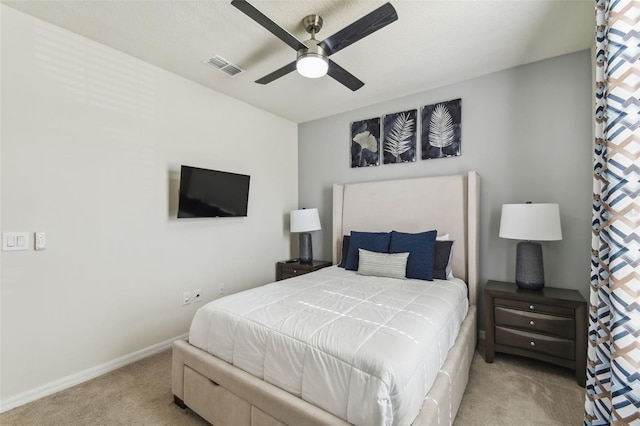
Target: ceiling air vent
223, 65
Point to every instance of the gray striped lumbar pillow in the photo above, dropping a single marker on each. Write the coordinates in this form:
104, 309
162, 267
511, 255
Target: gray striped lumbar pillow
392, 265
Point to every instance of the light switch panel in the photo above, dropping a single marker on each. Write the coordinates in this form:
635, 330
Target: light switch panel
15, 241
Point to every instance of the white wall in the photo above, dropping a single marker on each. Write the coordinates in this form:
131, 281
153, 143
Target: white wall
527, 131
92, 142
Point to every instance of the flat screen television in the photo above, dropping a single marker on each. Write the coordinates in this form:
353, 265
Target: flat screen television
212, 193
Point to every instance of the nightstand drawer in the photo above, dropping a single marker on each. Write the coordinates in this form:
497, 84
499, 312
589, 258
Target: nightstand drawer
553, 346
535, 322
534, 307
292, 272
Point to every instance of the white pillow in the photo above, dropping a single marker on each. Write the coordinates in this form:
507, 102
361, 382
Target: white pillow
391, 265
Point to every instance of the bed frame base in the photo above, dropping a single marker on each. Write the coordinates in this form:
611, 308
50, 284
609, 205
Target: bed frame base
225, 395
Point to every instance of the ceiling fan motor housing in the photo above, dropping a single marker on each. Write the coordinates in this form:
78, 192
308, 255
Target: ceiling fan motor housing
313, 48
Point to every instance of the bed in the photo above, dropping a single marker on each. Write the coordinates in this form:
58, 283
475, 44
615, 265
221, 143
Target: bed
224, 394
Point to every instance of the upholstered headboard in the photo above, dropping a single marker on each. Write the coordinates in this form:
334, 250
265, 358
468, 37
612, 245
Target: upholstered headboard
449, 204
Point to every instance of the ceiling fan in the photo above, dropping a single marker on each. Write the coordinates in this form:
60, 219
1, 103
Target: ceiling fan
313, 55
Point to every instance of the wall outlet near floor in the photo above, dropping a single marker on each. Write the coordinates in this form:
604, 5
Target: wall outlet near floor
197, 296
220, 289
186, 297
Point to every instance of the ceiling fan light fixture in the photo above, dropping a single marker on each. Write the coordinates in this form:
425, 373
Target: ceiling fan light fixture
313, 55
312, 65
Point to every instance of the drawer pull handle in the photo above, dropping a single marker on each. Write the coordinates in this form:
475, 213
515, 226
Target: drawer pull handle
531, 307
295, 271
532, 343
214, 383
532, 322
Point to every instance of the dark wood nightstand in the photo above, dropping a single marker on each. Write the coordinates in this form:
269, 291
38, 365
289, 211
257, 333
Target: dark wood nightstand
549, 325
288, 269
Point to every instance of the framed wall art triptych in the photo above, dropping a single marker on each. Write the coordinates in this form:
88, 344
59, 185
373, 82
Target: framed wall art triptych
395, 136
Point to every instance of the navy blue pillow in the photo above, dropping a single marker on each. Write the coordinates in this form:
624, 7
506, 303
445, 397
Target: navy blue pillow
421, 248
441, 259
372, 241
344, 251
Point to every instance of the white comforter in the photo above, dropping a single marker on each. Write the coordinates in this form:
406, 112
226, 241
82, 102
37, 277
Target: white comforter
366, 349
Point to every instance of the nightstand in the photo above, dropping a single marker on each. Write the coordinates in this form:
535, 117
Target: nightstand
548, 325
290, 269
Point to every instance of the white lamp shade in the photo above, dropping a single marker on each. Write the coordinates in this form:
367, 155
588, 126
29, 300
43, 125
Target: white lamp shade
305, 220
531, 222
312, 65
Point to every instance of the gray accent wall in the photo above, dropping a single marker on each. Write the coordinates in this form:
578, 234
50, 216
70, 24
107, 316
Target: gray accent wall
527, 131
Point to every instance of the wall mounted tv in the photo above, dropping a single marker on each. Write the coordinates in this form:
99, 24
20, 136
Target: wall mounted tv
212, 193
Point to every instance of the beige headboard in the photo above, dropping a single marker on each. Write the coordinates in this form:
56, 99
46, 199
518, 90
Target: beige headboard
449, 204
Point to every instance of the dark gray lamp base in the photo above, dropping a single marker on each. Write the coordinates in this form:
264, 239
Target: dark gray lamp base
529, 268
305, 248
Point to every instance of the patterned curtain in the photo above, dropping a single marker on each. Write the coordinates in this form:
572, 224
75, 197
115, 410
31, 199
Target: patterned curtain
613, 366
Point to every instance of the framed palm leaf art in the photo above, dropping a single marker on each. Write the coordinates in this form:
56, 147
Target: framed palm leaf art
365, 143
399, 137
441, 128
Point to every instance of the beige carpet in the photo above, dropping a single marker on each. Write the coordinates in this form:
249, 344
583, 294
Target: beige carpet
511, 391
519, 391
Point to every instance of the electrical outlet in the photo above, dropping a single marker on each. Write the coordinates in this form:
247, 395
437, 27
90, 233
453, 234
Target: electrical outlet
39, 240
186, 297
220, 289
197, 296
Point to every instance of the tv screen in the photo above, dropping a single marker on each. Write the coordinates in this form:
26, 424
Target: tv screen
212, 193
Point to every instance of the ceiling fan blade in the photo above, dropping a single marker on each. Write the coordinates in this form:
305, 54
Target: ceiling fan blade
368, 24
277, 73
343, 76
267, 23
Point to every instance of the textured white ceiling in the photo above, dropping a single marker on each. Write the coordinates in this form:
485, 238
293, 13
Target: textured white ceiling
433, 43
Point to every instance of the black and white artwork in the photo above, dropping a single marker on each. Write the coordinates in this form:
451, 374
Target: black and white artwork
441, 128
365, 143
399, 137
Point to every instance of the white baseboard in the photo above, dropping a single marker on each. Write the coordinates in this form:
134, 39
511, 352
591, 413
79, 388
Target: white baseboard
83, 376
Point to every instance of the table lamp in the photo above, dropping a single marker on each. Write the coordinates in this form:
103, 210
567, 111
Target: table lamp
531, 223
303, 222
